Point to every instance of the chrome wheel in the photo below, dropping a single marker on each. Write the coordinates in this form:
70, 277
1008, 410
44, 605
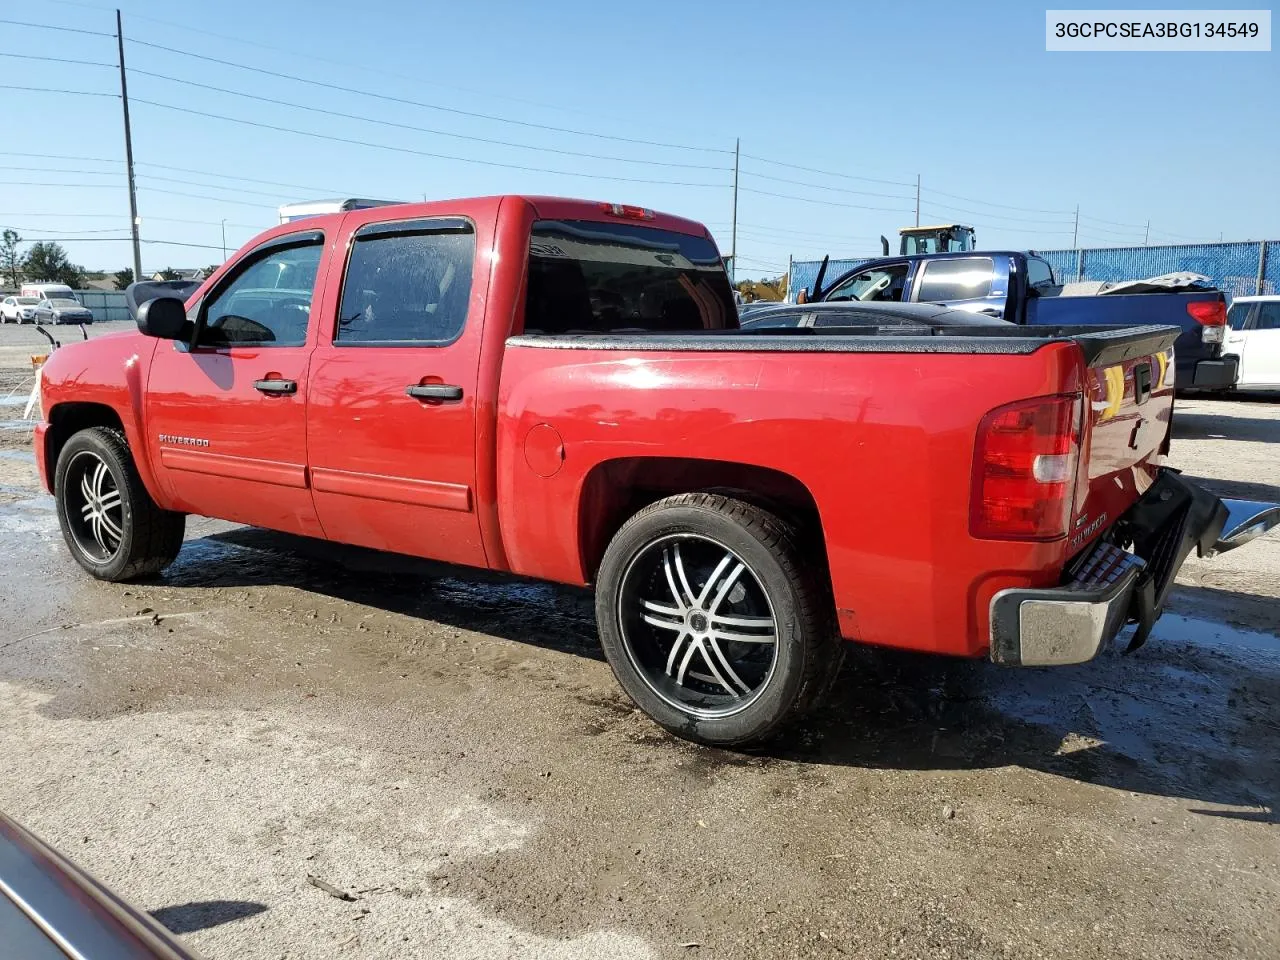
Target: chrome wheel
697, 624
94, 508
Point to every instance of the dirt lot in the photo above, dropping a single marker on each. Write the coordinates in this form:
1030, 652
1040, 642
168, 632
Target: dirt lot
452, 750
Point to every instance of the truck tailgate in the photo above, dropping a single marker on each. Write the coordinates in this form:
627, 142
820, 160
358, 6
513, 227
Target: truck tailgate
1128, 407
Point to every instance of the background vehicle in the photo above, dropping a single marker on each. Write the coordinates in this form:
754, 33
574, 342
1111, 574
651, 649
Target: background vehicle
315, 208
50, 909
1253, 334
140, 291
559, 389
47, 291
18, 309
62, 311
939, 238
1021, 287
819, 316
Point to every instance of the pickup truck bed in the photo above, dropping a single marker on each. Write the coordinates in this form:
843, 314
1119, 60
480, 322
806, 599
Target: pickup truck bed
558, 389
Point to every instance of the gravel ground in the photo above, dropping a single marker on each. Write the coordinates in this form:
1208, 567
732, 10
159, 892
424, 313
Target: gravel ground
451, 749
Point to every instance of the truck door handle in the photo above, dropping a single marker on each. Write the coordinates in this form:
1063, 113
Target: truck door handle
434, 391
276, 387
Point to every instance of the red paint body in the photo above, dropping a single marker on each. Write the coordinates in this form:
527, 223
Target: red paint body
528, 473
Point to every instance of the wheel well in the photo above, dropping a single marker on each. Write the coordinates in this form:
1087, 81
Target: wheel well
68, 419
616, 489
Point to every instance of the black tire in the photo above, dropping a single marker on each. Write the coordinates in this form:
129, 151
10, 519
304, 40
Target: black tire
730, 696
112, 526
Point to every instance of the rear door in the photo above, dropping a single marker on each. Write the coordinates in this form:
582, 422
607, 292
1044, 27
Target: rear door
964, 283
1259, 347
391, 428
227, 417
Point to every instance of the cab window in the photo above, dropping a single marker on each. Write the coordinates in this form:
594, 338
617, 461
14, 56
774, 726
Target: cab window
408, 283
268, 301
968, 278
885, 284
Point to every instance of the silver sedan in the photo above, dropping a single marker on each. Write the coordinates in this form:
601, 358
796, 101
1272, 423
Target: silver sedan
62, 311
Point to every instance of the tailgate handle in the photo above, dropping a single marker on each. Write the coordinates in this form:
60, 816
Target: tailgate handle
1142, 382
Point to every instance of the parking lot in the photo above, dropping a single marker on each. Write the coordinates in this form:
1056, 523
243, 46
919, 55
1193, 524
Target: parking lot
450, 750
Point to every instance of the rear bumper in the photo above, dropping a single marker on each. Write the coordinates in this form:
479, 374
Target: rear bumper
1109, 587
1219, 374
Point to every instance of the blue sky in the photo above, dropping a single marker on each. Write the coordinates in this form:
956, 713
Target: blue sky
961, 94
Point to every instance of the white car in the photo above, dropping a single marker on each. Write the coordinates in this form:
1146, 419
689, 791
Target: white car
17, 309
1253, 334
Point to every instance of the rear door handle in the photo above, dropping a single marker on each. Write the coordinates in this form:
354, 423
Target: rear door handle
434, 391
276, 386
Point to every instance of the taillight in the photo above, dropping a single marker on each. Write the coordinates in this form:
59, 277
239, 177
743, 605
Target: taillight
627, 211
1212, 315
1024, 470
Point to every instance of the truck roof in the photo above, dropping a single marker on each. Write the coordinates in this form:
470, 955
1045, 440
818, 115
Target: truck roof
545, 208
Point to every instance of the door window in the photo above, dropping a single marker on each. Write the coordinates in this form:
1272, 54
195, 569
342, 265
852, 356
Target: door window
873, 285
268, 302
964, 279
1267, 317
1039, 274
408, 283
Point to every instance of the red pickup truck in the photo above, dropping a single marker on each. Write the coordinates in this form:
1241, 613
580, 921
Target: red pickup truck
560, 389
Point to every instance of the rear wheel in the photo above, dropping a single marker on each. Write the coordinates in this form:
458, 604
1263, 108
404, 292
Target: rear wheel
712, 622
112, 526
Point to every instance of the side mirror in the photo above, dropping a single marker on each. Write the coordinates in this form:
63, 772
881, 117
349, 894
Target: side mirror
164, 318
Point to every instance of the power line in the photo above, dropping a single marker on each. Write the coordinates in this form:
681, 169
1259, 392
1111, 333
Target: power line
201, 196
39, 230
83, 63
96, 173
989, 203
419, 153
423, 104
821, 186
78, 93
50, 26
829, 203
149, 177
59, 156
828, 173
227, 176
1114, 223
69, 186
416, 129
995, 216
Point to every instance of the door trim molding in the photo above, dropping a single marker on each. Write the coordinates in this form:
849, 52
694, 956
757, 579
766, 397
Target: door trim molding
238, 468
372, 486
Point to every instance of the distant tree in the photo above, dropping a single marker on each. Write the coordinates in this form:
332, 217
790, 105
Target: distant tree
10, 262
48, 261
123, 277
168, 273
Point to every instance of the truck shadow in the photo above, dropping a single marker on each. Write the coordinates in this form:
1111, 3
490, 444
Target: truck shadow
1195, 714
1204, 425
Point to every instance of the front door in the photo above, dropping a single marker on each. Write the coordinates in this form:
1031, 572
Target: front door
1260, 348
392, 422
228, 416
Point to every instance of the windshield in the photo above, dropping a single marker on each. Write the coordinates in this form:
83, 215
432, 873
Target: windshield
64, 302
27, 301
587, 277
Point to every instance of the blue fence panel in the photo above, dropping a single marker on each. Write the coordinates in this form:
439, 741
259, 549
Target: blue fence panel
1233, 267
804, 272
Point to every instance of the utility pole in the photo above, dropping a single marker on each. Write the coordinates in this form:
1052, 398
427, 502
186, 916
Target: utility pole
128, 156
733, 240
1146, 237
1075, 231
224, 241
917, 199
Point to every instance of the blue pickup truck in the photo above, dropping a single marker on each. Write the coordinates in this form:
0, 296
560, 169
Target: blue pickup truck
1021, 288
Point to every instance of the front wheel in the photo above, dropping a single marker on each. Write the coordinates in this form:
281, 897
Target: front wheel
112, 526
712, 621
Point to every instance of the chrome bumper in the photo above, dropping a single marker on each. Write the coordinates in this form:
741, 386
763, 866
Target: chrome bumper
1110, 587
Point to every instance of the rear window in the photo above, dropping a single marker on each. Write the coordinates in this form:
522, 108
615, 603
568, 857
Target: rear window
965, 279
587, 277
